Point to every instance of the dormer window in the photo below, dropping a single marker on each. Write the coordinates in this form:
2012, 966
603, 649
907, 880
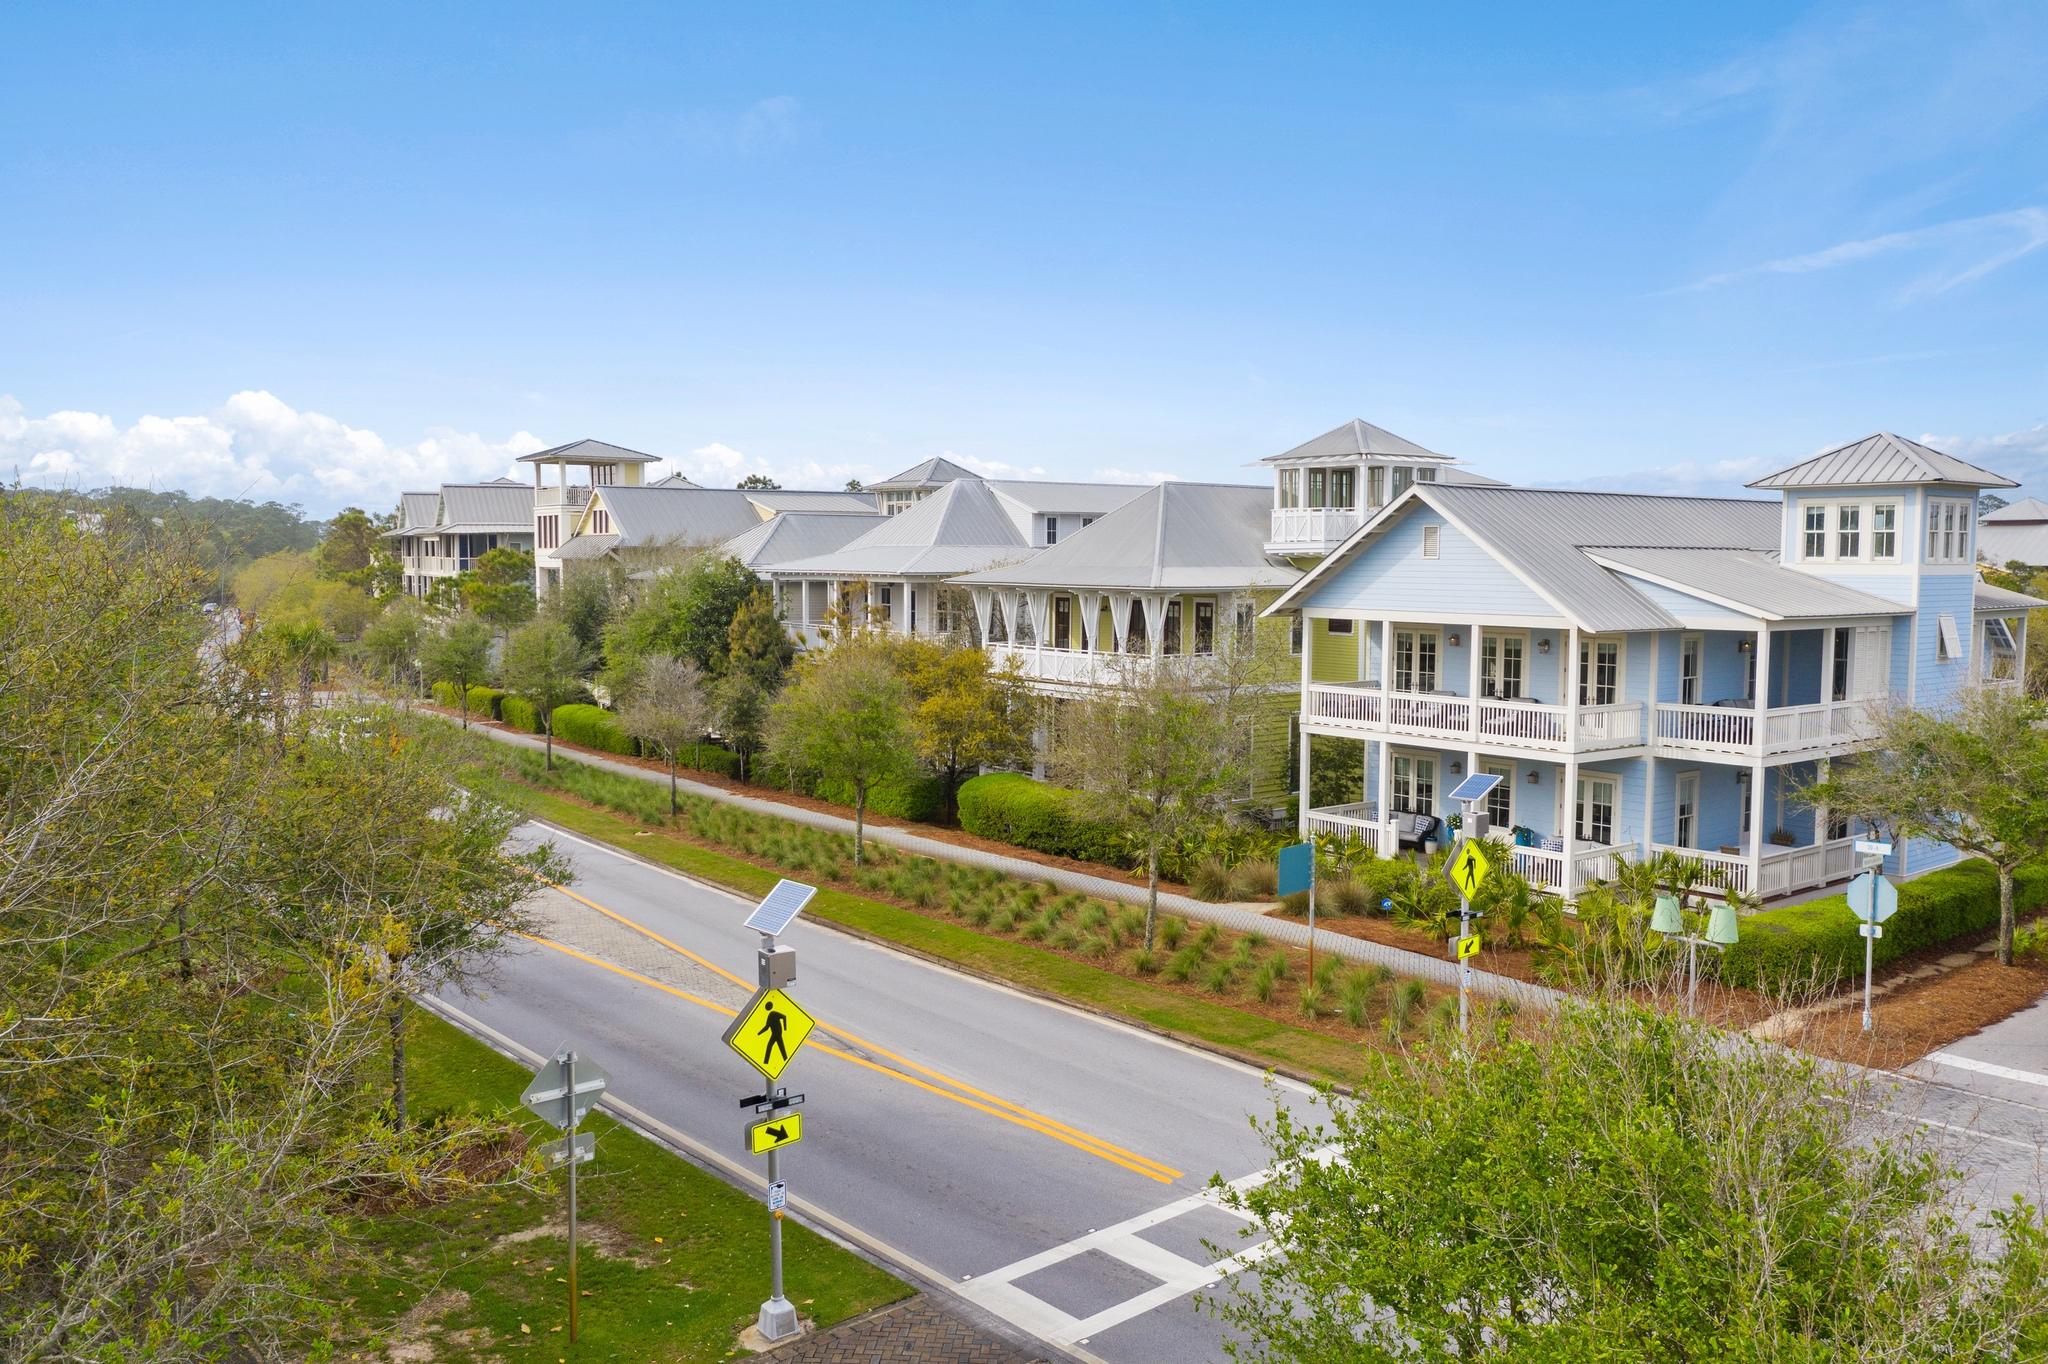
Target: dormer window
1290, 489
1948, 530
1318, 487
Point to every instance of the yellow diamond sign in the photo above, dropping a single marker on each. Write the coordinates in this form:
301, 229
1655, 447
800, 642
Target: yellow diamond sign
768, 1032
1468, 868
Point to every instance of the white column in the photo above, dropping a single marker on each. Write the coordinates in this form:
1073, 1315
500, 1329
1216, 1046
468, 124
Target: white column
1827, 672
1568, 800
1649, 799
1570, 672
1756, 826
1383, 802
1763, 683
1155, 627
907, 623
1301, 729
1386, 671
1358, 628
1650, 753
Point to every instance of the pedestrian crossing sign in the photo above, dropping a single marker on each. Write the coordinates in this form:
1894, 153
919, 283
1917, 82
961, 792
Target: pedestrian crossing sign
1468, 868
769, 1031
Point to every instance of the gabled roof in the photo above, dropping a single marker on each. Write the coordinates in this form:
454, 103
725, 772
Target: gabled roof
2005, 544
416, 511
1190, 536
504, 505
772, 500
958, 529
1882, 459
589, 452
674, 481
1031, 497
1990, 598
937, 469
798, 535
676, 516
1747, 581
1357, 439
2025, 512
1544, 536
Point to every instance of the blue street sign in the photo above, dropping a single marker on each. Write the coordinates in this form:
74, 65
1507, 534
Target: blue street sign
1872, 898
1297, 868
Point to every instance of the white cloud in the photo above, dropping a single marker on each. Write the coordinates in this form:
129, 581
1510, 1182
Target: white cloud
1113, 475
994, 468
254, 445
718, 465
1972, 248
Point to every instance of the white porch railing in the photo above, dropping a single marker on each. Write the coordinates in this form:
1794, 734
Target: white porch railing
1359, 820
1314, 525
1344, 703
1544, 868
1786, 729
1417, 713
1778, 871
1508, 723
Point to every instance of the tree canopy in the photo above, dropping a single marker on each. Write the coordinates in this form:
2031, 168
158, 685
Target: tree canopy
685, 612
844, 716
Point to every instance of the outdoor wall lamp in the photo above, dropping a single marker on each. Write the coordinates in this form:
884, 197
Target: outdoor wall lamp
1456, 766
1542, 646
1454, 641
1534, 776
1744, 645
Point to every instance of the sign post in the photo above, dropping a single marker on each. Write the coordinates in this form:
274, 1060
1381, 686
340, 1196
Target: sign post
1873, 900
767, 1033
1467, 871
562, 1091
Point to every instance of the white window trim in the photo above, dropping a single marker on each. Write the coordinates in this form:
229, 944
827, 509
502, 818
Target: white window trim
1413, 755
1528, 650
1678, 784
1587, 643
1432, 541
1394, 652
1587, 780
1865, 510
1699, 654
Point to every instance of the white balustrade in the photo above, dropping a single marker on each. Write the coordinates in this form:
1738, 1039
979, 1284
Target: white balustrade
1349, 703
1612, 726
1358, 821
1421, 714
1314, 525
1524, 722
1705, 726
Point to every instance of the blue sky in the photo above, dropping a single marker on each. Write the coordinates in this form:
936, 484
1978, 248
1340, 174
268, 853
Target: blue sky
319, 255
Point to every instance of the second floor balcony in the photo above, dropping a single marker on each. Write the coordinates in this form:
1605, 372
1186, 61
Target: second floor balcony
1312, 530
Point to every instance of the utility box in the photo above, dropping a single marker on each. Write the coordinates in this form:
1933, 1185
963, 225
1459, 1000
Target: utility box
778, 966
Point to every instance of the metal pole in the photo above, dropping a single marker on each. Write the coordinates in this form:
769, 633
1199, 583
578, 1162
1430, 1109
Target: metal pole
778, 1318
1311, 913
569, 1080
1464, 931
775, 1234
1868, 943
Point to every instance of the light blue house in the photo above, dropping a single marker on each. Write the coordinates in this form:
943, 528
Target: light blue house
1650, 672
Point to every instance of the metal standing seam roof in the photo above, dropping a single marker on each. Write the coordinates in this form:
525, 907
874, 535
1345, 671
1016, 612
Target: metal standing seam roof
1090, 499
676, 516
674, 481
1357, 439
1191, 536
1993, 598
1748, 580
416, 513
937, 469
589, 452
1882, 459
798, 535
1541, 535
503, 506
2028, 511
774, 500
2004, 544
587, 546
959, 528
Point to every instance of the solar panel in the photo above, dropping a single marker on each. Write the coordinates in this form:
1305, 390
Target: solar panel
1476, 786
776, 912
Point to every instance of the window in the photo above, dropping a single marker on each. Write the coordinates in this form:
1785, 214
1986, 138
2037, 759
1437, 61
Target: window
1845, 649
1052, 530
1742, 794
1948, 644
1599, 672
1170, 636
1376, 486
1414, 783
1342, 627
1343, 487
1848, 532
1500, 801
1247, 621
885, 601
1062, 622
1425, 475
1205, 626
1884, 531
602, 475
1595, 812
1294, 635
1318, 483
896, 503
1432, 541
1415, 660
1087, 521
1290, 489
1689, 650
998, 628
1685, 826
1948, 531
1500, 666
1816, 544
1403, 476
600, 521
548, 532
1135, 637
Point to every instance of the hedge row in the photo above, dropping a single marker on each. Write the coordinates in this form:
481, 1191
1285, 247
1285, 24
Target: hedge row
593, 727
915, 798
1012, 808
1783, 946
484, 701
707, 758
519, 713
448, 694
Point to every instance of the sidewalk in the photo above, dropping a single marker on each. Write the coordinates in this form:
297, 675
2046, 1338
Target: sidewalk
1439, 971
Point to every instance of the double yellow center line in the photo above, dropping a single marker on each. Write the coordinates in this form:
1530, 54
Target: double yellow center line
910, 1073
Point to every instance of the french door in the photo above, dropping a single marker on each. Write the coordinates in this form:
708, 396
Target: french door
1593, 819
1501, 660
1414, 783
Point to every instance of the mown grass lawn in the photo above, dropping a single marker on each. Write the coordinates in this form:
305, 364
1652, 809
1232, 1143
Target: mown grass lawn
1242, 1032
673, 1264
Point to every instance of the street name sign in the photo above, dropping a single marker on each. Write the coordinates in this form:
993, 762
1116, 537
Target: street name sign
778, 1197
772, 1134
1468, 868
769, 1031
548, 1095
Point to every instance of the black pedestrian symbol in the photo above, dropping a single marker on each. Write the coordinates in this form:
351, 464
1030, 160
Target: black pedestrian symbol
774, 1025
1465, 865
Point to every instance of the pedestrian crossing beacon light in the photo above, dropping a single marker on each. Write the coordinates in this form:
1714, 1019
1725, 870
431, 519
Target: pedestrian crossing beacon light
1668, 918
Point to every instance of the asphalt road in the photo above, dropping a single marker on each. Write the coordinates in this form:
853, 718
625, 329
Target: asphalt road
1044, 1164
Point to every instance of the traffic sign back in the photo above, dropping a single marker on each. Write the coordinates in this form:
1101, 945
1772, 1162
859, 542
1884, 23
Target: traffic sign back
548, 1096
768, 1032
1468, 868
1872, 898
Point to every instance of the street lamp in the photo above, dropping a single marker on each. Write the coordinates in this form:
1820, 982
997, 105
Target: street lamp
1667, 917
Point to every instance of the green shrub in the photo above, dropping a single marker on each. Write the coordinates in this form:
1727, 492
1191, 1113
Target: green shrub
1170, 930
709, 758
913, 798
1012, 808
484, 701
448, 694
593, 727
1218, 977
1144, 962
1210, 879
519, 713
1255, 878
1796, 943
